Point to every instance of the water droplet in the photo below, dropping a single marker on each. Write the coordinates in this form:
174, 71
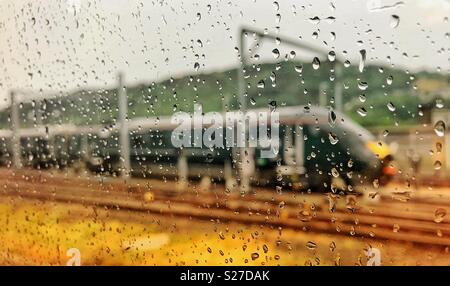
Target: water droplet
332, 7
255, 256
299, 69
332, 117
334, 172
362, 112
276, 53
395, 21
362, 85
376, 183
437, 165
333, 138
273, 77
439, 215
391, 106
292, 55
332, 246
330, 19
278, 18
333, 36
362, 60
272, 105
316, 63
389, 80
196, 66
314, 20
350, 163
276, 6
331, 56
311, 245
439, 128
396, 228
362, 98
261, 84
439, 103
438, 147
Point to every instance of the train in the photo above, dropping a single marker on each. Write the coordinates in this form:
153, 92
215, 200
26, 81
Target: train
319, 149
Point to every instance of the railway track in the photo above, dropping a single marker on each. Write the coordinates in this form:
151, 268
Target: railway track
413, 220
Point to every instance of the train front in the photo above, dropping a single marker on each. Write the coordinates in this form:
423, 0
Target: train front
374, 156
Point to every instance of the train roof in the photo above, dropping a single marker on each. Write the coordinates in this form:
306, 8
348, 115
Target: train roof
287, 115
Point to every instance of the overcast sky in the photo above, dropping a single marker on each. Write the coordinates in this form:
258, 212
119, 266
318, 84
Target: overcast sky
66, 44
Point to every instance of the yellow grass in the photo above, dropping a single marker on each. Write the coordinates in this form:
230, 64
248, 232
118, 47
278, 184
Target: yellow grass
36, 233
41, 234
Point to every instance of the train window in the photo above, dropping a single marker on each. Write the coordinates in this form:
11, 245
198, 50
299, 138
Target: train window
137, 141
232, 133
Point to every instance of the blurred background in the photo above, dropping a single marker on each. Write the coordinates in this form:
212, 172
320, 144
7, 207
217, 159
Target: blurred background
76, 72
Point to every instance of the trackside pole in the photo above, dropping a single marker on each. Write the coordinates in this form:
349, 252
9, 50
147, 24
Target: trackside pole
338, 103
244, 162
230, 183
299, 149
84, 147
123, 131
323, 86
247, 168
182, 170
15, 139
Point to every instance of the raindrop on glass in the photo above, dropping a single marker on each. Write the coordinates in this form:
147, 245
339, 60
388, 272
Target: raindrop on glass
362, 112
333, 138
389, 80
439, 128
276, 53
362, 85
316, 63
439, 215
362, 60
332, 117
331, 56
391, 106
395, 21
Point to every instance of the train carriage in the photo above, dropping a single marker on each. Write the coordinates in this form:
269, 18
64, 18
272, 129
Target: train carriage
317, 147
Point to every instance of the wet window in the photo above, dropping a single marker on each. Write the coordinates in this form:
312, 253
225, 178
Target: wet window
224, 132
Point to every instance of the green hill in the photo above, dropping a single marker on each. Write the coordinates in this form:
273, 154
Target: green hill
390, 95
